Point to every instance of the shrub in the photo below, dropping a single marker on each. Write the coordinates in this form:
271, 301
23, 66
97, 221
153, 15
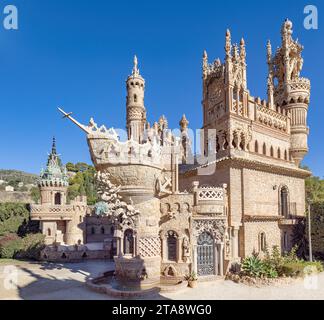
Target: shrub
253, 266
28, 247
31, 247
12, 215
9, 249
301, 268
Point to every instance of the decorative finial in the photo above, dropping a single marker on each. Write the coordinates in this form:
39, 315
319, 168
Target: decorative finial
205, 56
242, 49
135, 68
269, 51
183, 123
205, 63
228, 45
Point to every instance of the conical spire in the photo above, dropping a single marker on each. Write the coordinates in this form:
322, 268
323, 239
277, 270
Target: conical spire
55, 173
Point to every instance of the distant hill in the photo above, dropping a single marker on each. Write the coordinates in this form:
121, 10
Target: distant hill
18, 176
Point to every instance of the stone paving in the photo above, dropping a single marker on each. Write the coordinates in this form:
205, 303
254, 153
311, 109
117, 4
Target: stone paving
55, 281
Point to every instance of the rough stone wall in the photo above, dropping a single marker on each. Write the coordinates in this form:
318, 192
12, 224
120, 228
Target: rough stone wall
252, 230
262, 191
99, 225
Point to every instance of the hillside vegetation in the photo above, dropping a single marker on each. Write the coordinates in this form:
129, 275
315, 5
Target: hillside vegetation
16, 175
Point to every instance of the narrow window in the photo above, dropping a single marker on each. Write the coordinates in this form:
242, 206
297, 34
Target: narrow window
57, 199
172, 246
264, 149
284, 202
256, 147
262, 242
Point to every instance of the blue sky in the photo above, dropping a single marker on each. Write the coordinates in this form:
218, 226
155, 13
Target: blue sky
77, 54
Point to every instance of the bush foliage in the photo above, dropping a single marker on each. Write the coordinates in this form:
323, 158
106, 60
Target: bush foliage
275, 265
14, 247
12, 216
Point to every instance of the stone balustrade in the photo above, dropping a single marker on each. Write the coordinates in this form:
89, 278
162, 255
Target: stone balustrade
64, 212
210, 194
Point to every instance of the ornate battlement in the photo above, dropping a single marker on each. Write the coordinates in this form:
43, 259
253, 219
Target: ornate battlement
271, 118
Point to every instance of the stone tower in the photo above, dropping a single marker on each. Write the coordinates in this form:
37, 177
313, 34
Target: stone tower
136, 113
289, 91
53, 181
225, 95
60, 222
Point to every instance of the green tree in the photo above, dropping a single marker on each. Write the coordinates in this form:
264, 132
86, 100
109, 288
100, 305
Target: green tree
70, 167
35, 194
83, 183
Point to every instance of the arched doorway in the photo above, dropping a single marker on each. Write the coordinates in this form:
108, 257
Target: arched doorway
205, 255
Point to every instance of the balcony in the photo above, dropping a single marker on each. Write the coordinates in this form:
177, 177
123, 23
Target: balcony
51, 212
210, 200
291, 218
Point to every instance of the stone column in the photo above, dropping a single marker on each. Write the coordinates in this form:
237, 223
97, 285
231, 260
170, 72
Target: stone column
134, 246
194, 258
179, 250
215, 258
221, 259
235, 239
164, 249
177, 173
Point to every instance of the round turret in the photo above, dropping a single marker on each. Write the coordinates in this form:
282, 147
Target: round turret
136, 113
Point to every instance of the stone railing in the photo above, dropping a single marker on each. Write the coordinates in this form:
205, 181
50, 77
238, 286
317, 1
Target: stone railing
51, 209
210, 194
300, 84
210, 201
271, 118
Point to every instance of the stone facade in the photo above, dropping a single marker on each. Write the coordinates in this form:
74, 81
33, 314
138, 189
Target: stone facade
162, 217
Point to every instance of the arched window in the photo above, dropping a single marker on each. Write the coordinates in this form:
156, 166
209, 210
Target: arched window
128, 242
264, 149
80, 219
256, 147
262, 242
286, 156
279, 154
102, 230
112, 230
49, 232
271, 152
172, 246
284, 204
135, 98
93, 230
57, 198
